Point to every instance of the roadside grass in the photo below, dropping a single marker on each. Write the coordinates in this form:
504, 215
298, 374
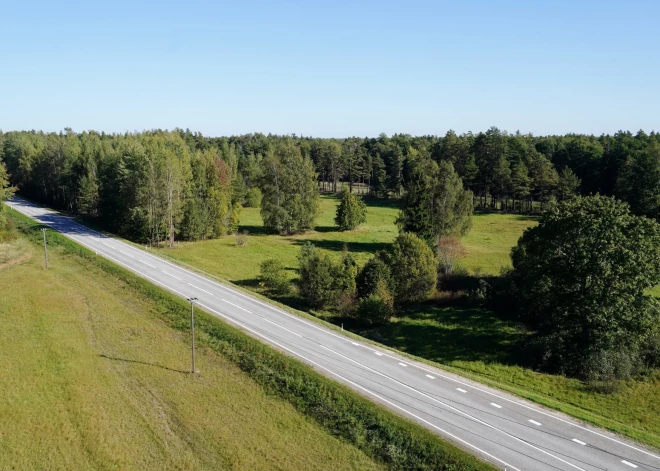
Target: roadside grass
92, 379
469, 341
184, 429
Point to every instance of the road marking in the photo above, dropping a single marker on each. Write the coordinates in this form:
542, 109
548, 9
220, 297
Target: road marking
379, 354
461, 390
282, 327
236, 305
579, 442
628, 463
147, 264
495, 405
175, 277
201, 289
354, 343
535, 422
402, 364
368, 391
429, 376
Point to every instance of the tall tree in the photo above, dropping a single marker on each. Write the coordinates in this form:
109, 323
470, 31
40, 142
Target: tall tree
351, 211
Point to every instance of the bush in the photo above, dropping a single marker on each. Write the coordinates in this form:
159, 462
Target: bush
378, 306
351, 212
253, 197
449, 248
273, 276
414, 268
372, 272
323, 281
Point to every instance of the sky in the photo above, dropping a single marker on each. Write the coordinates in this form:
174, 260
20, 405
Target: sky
331, 68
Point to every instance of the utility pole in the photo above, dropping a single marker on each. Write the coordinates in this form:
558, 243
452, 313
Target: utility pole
192, 329
43, 231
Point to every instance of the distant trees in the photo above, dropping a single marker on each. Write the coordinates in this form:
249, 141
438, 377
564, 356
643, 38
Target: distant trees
6, 192
351, 211
290, 200
435, 203
580, 277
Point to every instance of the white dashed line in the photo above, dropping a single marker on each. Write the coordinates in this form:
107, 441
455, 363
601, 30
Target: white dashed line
461, 390
147, 264
236, 305
535, 422
402, 364
429, 376
379, 354
628, 463
495, 405
579, 442
354, 343
275, 323
175, 277
201, 289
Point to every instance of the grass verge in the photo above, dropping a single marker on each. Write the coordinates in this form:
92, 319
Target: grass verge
379, 433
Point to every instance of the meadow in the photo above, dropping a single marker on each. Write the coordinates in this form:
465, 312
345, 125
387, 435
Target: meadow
465, 339
93, 379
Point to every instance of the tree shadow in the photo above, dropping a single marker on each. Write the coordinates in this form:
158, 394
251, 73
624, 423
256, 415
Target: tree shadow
125, 360
338, 245
374, 202
256, 230
326, 229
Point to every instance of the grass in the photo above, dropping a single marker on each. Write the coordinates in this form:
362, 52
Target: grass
92, 379
473, 342
383, 436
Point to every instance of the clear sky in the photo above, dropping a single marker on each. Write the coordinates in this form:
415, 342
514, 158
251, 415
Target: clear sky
331, 68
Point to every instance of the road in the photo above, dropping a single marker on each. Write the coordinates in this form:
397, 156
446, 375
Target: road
500, 428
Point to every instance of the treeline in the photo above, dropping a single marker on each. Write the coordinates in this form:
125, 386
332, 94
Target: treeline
161, 186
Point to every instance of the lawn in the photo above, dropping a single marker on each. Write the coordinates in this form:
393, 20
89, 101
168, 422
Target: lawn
92, 379
470, 341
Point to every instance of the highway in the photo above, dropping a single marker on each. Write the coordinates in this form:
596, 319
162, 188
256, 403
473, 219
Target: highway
496, 426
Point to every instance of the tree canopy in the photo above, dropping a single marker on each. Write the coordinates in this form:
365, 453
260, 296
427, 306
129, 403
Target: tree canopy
351, 211
580, 277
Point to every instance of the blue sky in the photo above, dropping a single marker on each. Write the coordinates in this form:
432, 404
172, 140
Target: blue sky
331, 68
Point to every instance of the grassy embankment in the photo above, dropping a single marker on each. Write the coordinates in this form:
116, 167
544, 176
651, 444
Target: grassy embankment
470, 341
95, 376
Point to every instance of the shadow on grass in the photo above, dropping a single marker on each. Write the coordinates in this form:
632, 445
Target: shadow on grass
338, 245
256, 230
374, 202
125, 360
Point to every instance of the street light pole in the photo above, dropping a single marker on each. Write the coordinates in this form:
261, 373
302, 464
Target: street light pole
192, 330
43, 231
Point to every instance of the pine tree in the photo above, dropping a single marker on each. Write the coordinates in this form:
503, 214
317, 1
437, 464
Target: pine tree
351, 211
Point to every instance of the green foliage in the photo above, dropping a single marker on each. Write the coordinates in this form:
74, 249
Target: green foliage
580, 277
414, 268
639, 181
253, 197
568, 184
351, 211
6, 192
435, 203
290, 194
378, 306
371, 274
273, 276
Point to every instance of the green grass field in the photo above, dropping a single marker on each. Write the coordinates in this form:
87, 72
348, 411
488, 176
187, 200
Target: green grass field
92, 379
473, 342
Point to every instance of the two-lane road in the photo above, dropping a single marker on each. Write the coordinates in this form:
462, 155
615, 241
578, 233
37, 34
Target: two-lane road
496, 426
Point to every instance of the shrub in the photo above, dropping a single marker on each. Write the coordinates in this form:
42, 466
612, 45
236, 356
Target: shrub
253, 197
372, 272
351, 212
414, 268
241, 238
378, 306
449, 248
317, 276
273, 277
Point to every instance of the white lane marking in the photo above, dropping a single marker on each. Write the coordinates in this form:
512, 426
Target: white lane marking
402, 364
147, 264
579, 442
628, 463
19, 202
535, 422
461, 390
448, 406
495, 405
236, 305
429, 376
380, 398
175, 277
282, 327
379, 354
127, 254
201, 289
355, 343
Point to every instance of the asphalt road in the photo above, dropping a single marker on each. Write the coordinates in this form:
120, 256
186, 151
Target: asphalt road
494, 425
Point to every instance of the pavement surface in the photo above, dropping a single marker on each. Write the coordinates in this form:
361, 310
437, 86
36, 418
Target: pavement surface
500, 428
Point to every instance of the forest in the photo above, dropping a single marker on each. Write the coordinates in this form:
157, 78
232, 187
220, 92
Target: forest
161, 186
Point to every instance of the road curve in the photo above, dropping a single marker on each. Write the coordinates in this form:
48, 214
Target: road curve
498, 427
